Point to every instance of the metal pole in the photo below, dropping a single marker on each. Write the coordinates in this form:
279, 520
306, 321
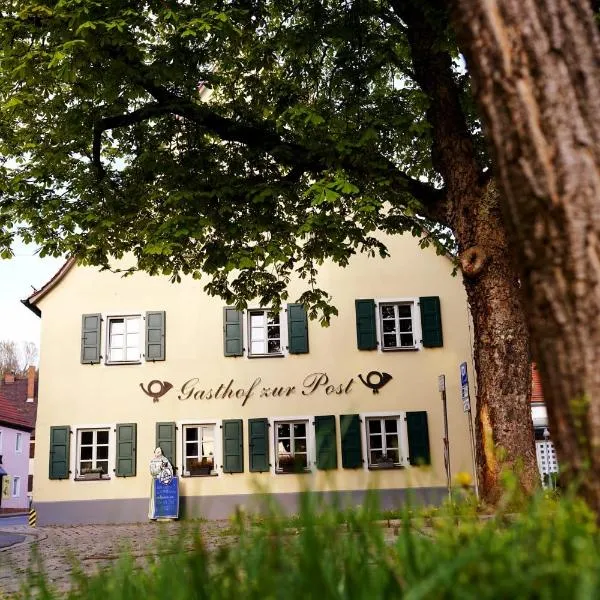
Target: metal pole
473, 455
447, 446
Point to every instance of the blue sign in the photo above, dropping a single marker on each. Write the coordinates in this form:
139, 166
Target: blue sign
165, 499
464, 378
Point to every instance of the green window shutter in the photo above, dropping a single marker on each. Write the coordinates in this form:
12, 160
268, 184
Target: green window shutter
366, 332
233, 449
90, 338
165, 440
155, 335
126, 450
326, 445
431, 321
351, 441
232, 332
258, 432
297, 329
60, 441
418, 438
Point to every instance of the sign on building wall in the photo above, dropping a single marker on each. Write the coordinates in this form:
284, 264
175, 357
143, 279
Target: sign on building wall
6, 486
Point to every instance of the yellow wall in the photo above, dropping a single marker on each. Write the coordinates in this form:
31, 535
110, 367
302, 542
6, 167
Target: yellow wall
90, 395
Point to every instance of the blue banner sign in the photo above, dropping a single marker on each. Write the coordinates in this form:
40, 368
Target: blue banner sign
165, 498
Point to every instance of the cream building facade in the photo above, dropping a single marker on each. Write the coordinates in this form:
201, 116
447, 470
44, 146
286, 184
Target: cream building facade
248, 401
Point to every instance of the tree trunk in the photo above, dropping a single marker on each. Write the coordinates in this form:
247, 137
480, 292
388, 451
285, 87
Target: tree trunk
504, 430
501, 343
536, 67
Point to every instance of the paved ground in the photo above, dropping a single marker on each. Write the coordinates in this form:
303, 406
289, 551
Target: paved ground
10, 539
94, 546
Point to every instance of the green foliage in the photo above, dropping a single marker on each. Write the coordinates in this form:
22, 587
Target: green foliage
550, 550
315, 137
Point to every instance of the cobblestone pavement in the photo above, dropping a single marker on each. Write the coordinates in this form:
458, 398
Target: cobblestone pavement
93, 546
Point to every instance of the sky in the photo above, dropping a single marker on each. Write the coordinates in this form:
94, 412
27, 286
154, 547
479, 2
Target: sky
17, 276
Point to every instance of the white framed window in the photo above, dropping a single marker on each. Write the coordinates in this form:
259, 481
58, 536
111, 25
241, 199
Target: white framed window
199, 449
16, 487
398, 324
19, 443
292, 444
264, 333
385, 435
92, 453
124, 339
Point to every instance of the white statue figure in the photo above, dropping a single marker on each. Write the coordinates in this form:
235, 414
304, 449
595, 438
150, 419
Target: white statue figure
161, 468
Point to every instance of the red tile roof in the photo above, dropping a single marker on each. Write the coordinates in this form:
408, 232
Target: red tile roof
11, 416
536, 385
15, 394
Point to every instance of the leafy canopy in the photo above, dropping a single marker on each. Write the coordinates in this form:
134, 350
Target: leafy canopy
312, 137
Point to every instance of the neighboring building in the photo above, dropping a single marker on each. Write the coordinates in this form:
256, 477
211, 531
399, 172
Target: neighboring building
544, 448
15, 431
21, 392
239, 401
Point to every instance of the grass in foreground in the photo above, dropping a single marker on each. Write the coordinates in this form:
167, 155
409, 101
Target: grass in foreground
551, 549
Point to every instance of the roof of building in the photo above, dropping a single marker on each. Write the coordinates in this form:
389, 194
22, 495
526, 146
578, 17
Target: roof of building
11, 416
32, 300
536, 385
14, 407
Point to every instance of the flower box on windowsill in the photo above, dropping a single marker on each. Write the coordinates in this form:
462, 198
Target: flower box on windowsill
385, 463
91, 474
292, 464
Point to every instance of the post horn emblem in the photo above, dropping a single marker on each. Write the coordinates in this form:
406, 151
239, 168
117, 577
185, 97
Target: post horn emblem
160, 389
375, 380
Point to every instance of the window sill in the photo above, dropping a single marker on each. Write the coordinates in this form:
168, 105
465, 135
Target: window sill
385, 467
89, 478
193, 475
303, 472
122, 362
411, 349
266, 355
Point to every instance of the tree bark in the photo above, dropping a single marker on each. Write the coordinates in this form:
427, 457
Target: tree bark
501, 343
536, 68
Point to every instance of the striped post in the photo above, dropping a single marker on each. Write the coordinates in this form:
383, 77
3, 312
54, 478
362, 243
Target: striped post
32, 518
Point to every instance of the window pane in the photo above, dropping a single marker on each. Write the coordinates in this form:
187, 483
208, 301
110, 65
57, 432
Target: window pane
133, 325
133, 340
404, 310
87, 464
300, 445
257, 348
375, 441
376, 456
117, 354
102, 437
391, 441
283, 430
387, 311
103, 464
87, 437
273, 331
257, 333
393, 455
273, 319
117, 326
257, 320
191, 433
274, 346
300, 461
284, 447
208, 448
102, 452
191, 449
391, 425
389, 340
132, 354
116, 341
375, 426
86, 453
208, 433
299, 429
406, 339
405, 325
389, 326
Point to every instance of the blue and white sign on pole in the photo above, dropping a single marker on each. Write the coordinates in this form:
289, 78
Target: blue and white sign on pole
464, 386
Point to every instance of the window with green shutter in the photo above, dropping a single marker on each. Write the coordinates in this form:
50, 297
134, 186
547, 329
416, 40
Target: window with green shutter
232, 332
366, 333
431, 321
351, 441
418, 438
60, 441
297, 329
90, 338
258, 432
155, 335
326, 443
165, 440
233, 449
126, 450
